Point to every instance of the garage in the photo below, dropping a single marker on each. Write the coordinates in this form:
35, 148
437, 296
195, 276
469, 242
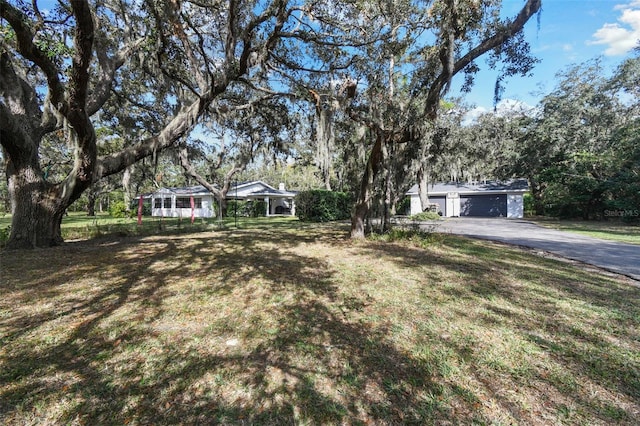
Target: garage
475, 199
485, 205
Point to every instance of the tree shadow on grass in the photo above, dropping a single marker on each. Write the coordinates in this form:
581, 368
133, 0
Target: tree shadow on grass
576, 317
278, 387
83, 341
35, 371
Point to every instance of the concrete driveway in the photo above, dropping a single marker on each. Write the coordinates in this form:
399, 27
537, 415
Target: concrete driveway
616, 257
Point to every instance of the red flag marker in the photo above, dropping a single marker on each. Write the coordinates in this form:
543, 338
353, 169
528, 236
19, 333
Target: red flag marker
193, 210
140, 208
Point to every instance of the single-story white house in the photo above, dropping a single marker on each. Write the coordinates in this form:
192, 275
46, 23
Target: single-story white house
176, 202
486, 199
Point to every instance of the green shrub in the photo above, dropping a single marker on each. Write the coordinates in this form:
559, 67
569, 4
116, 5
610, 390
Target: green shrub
239, 207
257, 208
323, 206
404, 206
529, 205
146, 208
118, 209
4, 235
428, 215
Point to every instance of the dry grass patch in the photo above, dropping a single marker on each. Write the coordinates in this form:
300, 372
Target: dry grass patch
299, 325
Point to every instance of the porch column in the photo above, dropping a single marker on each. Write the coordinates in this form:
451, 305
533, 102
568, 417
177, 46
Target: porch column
293, 207
266, 200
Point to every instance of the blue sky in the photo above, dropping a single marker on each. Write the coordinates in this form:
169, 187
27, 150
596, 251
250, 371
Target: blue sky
571, 32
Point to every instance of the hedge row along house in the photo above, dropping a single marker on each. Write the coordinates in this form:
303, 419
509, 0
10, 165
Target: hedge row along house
197, 201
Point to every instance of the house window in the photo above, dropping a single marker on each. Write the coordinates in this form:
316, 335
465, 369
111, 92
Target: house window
167, 203
185, 203
157, 203
182, 203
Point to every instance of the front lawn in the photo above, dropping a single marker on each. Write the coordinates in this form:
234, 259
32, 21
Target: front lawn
295, 324
613, 230
79, 226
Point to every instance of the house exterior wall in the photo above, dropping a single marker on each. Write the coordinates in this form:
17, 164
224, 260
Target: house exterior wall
168, 207
452, 203
416, 206
161, 204
515, 206
175, 202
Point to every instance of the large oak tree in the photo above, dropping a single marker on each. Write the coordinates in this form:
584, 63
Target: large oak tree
434, 42
158, 67
154, 65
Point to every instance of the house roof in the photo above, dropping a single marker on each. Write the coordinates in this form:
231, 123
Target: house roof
491, 187
271, 192
262, 189
249, 183
186, 190
258, 188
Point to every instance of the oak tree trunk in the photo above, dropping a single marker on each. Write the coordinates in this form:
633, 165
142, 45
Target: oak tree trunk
363, 202
385, 222
36, 209
127, 187
91, 203
422, 187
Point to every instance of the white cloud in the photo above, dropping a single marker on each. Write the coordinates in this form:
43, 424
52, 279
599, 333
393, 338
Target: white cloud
632, 3
504, 108
622, 36
508, 107
471, 116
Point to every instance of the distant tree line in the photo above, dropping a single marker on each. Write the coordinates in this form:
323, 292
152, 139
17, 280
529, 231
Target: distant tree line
579, 148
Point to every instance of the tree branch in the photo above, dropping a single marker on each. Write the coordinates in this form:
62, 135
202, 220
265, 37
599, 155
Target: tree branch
183, 122
108, 68
178, 29
21, 99
230, 42
189, 169
502, 35
178, 127
30, 51
75, 107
